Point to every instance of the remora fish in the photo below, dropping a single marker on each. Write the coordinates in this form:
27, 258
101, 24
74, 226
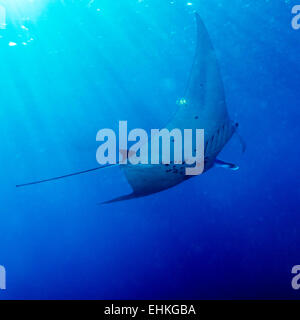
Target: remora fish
202, 106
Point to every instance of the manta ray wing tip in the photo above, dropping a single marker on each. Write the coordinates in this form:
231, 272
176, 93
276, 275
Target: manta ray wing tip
118, 199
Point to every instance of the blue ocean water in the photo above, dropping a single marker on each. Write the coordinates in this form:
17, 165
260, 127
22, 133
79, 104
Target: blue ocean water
69, 68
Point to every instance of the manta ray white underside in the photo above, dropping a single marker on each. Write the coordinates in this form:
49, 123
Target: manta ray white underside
204, 107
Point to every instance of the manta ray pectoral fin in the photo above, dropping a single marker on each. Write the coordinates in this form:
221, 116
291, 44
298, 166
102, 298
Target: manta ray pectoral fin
122, 198
226, 165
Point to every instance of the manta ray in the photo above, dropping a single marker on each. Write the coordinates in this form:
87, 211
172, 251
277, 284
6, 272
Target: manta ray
202, 106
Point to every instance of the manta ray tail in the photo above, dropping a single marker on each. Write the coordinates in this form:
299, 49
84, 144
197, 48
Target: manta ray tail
64, 176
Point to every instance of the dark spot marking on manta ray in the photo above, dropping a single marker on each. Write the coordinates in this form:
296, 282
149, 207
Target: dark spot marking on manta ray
196, 117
